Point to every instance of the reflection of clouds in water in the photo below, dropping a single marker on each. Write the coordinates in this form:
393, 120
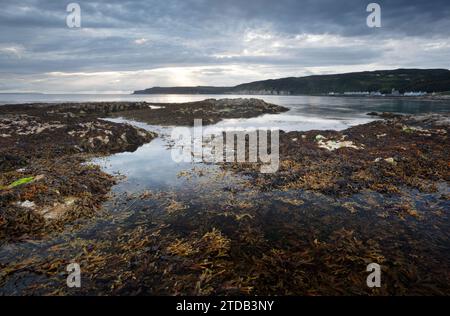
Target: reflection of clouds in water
152, 166
319, 106
291, 122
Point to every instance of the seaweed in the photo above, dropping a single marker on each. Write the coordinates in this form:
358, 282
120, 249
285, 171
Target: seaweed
21, 182
310, 229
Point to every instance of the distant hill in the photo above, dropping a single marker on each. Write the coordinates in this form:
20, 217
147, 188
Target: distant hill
185, 90
403, 80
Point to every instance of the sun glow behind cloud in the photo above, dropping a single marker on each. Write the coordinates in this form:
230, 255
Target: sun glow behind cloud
126, 46
127, 81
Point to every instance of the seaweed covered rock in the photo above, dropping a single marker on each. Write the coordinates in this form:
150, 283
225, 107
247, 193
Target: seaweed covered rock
383, 156
44, 182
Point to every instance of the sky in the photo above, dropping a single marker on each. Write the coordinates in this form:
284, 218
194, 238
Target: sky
127, 45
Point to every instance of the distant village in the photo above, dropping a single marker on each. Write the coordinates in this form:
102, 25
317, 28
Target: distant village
394, 93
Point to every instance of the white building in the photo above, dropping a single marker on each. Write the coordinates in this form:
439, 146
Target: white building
414, 94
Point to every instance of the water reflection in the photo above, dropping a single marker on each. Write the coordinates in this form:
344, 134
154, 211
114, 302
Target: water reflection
316, 105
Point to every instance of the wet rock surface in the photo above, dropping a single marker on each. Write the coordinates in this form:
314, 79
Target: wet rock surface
373, 193
383, 156
49, 150
52, 141
210, 111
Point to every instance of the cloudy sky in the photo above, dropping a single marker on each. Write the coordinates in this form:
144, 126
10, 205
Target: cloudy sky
125, 45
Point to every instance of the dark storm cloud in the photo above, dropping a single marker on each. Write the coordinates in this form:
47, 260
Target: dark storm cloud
133, 35
343, 16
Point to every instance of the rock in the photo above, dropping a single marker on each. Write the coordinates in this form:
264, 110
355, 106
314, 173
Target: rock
390, 160
335, 144
26, 204
58, 209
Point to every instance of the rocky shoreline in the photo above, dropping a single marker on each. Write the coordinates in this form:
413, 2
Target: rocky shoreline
210, 111
44, 181
377, 192
382, 156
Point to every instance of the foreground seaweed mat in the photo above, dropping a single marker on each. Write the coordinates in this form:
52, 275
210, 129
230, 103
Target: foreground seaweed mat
376, 193
235, 240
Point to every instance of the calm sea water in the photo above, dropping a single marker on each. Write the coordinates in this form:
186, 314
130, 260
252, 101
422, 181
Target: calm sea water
307, 112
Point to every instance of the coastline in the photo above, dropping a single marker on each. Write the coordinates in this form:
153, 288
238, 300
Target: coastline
338, 200
46, 146
439, 97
